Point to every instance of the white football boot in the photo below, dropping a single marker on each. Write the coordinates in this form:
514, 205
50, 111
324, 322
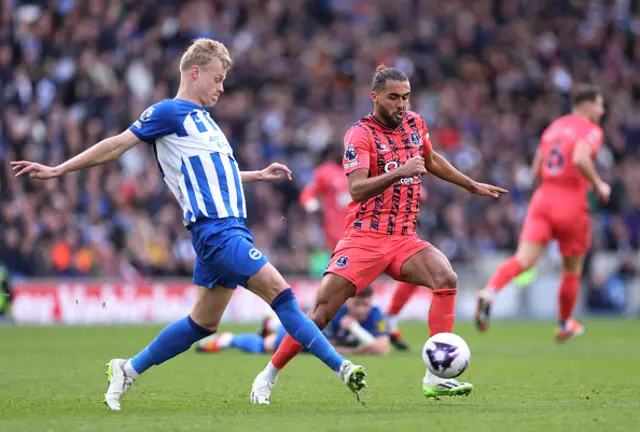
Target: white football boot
119, 383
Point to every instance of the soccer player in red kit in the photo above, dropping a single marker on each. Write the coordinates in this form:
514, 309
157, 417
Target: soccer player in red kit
329, 190
386, 153
559, 208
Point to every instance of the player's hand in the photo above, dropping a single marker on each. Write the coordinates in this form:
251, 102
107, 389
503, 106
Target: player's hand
413, 167
35, 170
276, 171
486, 190
603, 191
347, 321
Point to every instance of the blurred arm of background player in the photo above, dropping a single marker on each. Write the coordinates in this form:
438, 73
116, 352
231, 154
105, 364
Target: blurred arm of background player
581, 158
309, 196
441, 168
369, 344
111, 149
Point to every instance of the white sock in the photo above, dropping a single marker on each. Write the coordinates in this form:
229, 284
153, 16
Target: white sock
431, 379
392, 322
224, 340
271, 372
129, 370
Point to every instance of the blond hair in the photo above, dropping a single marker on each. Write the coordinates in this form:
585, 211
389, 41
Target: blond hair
202, 51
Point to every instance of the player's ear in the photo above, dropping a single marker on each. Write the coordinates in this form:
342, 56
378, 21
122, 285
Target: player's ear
374, 96
195, 72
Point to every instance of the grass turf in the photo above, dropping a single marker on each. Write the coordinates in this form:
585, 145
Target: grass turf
53, 379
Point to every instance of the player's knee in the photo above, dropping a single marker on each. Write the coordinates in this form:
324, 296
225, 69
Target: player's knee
208, 323
525, 261
445, 278
267, 283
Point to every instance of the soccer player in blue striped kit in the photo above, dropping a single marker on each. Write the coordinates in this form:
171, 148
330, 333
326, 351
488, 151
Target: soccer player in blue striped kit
198, 166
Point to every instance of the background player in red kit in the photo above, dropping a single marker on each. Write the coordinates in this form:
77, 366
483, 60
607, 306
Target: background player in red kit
386, 153
559, 208
328, 191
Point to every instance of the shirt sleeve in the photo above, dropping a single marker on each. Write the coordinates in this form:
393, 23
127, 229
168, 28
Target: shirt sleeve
357, 149
426, 139
155, 122
594, 139
377, 325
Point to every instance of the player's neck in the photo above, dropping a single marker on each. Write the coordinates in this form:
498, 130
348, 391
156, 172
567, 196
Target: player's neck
184, 94
380, 120
580, 113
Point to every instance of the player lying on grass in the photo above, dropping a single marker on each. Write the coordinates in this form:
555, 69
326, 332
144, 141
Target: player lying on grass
198, 165
386, 155
559, 208
358, 328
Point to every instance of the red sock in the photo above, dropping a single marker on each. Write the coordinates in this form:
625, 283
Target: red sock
442, 312
568, 295
401, 296
507, 271
287, 350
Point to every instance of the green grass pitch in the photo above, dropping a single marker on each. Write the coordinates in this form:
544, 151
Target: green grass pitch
52, 379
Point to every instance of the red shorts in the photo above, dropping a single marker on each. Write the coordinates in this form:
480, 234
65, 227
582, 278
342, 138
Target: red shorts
362, 257
572, 228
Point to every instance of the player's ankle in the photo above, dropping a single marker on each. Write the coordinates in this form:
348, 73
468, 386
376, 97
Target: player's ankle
271, 372
129, 370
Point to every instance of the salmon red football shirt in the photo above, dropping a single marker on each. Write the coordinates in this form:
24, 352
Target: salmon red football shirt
561, 180
329, 190
378, 148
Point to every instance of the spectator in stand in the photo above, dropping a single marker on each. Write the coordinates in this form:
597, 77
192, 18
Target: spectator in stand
487, 75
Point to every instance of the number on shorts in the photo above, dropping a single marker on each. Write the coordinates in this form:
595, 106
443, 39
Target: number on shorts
555, 159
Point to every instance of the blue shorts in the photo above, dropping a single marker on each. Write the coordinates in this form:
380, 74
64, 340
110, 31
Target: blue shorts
225, 253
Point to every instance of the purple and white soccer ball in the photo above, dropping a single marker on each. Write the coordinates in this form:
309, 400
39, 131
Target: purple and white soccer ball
446, 355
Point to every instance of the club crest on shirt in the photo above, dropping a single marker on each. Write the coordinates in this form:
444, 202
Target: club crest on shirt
416, 140
351, 157
146, 115
342, 262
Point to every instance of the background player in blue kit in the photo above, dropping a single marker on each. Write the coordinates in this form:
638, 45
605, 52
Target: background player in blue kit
198, 166
358, 328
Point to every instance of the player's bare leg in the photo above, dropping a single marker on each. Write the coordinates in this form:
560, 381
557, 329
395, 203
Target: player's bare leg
334, 291
526, 256
205, 314
568, 327
432, 269
402, 294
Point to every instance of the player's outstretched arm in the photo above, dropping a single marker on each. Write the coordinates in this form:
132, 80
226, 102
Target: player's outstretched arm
309, 197
273, 172
441, 168
106, 150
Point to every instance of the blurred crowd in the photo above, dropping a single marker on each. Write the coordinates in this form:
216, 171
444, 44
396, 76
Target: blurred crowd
487, 75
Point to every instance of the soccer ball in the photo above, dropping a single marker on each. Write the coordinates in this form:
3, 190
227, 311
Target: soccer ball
446, 355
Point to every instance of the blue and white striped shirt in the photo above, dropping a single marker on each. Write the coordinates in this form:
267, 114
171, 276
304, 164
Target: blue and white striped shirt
195, 158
